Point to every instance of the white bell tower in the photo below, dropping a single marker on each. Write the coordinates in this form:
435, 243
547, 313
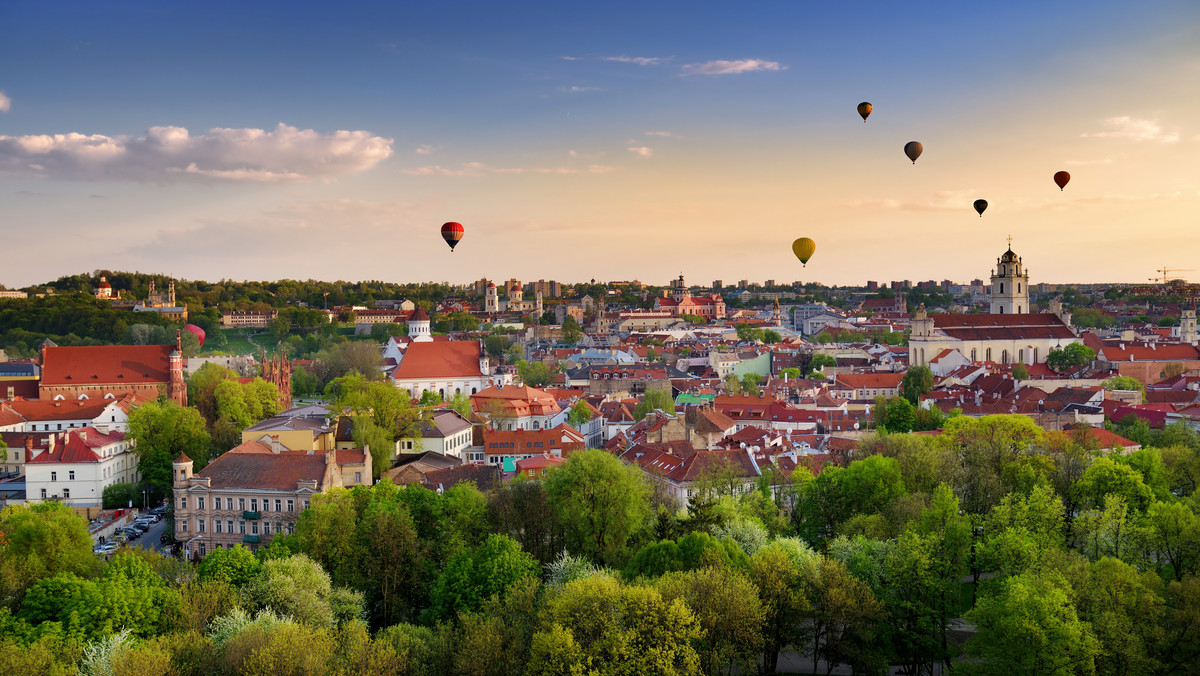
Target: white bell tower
1010, 285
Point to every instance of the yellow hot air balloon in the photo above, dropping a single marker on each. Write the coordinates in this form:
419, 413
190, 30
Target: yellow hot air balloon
804, 248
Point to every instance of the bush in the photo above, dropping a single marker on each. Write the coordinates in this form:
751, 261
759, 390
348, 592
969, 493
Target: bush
121, 495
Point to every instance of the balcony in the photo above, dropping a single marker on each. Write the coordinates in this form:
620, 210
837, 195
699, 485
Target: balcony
251, 539
251, 516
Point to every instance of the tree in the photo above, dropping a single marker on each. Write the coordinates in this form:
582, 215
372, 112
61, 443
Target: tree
1072, 356
534, 373
1020, 372
161, 431
819, 362
843, 618
783, 575
389, 409
571, 333
235, 566
604, 627
1030, 625
1174, 537
728, 609
120, 495
472, 577
771, 337
654, 400
1107, 477
461, 403
599, 502
917, 382
750, 384
296, 587
40, 541
580, 414
747, 333
495, 344
899, 416
1172, 370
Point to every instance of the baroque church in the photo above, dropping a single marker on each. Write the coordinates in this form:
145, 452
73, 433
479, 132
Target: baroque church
1010, 333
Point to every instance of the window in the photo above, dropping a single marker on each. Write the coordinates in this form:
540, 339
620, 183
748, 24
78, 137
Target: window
254, 528
229, 504
277, 506
253, 504
266, 504
278, 527
183, 526
242, 527
199, 503
183, 475
306, 504
66, 492
358, 477
183, 502
54, 476
200, 525
71, 475
291, 505
203, 549
242, 504
291, 527
229, 526
43, 493
217, 524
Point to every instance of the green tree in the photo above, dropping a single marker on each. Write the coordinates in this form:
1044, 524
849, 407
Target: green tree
728, 609
599, 501
161, 431
297, 587
580, 414
606, 628
843, 619
771, 337
472, 577
571, 333
916, 383
1072, 356
1106, 477
1125, 383
1174, 537
750, 384
1020, 372
783, 576
534, 373
747, 333
461, 403
40, 541
1030, 626
899, 416
654, 400
235, 566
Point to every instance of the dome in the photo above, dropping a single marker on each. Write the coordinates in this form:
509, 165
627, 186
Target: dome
1008, 257
104, 283
491, 285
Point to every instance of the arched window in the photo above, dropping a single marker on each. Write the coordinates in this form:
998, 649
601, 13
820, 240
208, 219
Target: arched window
1018, 309
1021, 356
1001, 287
1001, 309
1035, 355
473, 391
59, 397
988, 355
973, 354
83, 396
1018, 287
1004, 357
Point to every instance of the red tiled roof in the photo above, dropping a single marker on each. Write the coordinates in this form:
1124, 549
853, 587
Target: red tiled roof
47, 409
1144, 352
1002, 327
250, 468
439, 359
78, 447
876, 380
107, 364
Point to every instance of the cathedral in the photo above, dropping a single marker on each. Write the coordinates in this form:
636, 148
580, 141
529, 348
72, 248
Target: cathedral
277, 370
1010, 333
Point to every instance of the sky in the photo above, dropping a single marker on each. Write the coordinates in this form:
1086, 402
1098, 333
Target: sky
610, 140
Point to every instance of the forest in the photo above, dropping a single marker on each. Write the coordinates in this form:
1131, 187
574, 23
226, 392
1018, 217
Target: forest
993, 547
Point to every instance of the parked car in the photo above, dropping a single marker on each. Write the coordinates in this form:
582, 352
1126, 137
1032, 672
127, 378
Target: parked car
106, 548
130, 533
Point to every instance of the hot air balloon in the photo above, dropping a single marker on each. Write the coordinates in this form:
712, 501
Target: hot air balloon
913, 150
195, 331
865, 109
804, 248
452, 232
980, 205
1061, 179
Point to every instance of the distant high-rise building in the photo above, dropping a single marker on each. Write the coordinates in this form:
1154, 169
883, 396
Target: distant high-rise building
769, 283
717, 284
743, 283
897, 286
976, 282
872, 286
946, 284
548, 289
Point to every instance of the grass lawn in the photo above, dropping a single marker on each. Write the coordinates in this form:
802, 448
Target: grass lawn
236, 342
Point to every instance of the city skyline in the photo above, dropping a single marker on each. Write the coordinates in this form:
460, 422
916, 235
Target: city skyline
610, 142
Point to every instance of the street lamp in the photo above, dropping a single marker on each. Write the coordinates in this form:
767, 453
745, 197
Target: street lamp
143, 499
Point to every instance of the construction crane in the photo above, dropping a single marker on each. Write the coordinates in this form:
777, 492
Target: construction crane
1166, 274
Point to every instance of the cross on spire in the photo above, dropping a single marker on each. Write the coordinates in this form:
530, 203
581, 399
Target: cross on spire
1010, 242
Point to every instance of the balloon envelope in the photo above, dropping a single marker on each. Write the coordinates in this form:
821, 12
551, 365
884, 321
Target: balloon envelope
865, 109
452, 232
195, 331
913, 150
804, 248
1061, 179
980, 205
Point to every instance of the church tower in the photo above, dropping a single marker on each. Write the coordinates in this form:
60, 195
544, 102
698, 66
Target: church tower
538, 304
418, 327
1187, 326
1010, 285
491, 302
176, 388
679, 290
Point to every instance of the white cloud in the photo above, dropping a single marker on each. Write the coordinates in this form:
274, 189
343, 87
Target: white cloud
577, 89
426, 149
1134, 129
664, 134
641, 151
638, 60
940, 201
170, 154
730, 67
570, 58
476, 169
5, 102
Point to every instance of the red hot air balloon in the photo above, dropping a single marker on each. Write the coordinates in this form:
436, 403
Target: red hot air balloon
1061, 178
195, 331
452, 232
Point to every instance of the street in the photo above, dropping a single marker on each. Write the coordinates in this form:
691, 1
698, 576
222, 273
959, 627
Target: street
151, 539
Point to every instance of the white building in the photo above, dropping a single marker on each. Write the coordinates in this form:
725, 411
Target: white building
45, 415
444, 367
78, 468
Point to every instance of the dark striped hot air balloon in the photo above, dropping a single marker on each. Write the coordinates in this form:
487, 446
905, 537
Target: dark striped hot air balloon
452, 232
980, 205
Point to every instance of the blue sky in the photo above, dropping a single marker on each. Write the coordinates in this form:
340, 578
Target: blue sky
608, 140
